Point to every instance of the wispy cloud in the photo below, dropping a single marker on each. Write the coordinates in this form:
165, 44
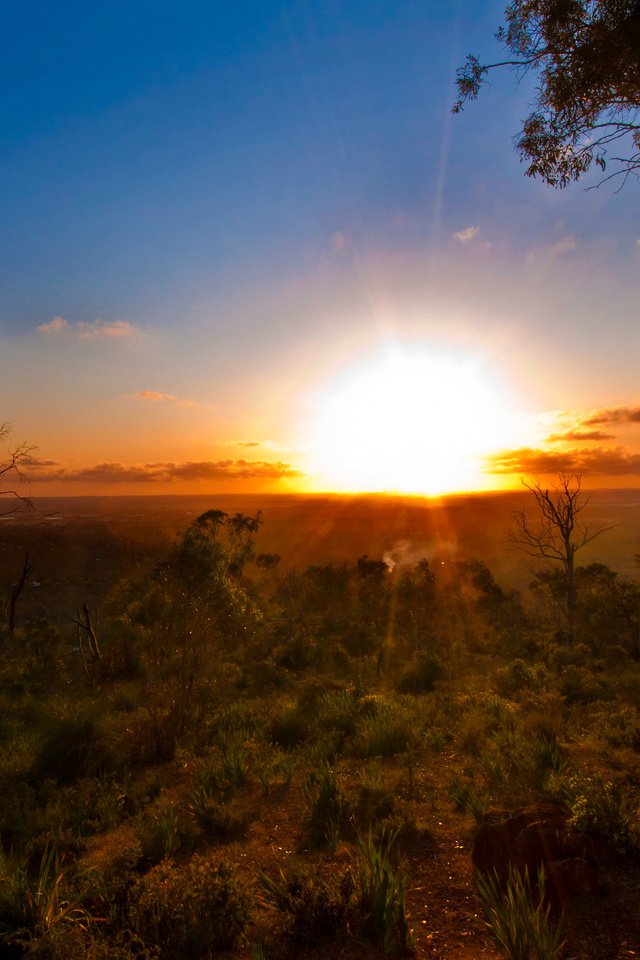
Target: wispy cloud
81, 330
199, 470
563, 246
157, 396
338, 242
467, 235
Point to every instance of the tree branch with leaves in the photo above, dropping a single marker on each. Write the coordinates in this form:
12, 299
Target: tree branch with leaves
586, 56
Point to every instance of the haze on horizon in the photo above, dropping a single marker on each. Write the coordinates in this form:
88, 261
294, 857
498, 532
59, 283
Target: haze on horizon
249, 249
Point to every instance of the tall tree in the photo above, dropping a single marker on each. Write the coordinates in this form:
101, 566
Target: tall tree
557, 533
586, 55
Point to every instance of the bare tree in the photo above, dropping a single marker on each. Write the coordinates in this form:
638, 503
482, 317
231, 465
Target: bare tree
557, 533
10, 471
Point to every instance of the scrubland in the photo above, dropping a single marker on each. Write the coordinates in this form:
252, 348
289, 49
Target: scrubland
230, 754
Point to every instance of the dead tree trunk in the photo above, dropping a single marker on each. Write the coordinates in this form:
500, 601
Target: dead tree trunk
86, 629
17, 589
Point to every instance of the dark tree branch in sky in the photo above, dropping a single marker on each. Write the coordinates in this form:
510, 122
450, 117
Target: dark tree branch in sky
11, 473
586, 56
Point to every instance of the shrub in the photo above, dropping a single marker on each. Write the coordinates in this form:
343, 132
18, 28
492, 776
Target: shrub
33, 906
189, 910
381, 897
338, 712
329, 807
162, 836
376, 801
318, 907
290, 728
518, 917
598, 807
73, 746
468, 799
421, 676
218, 820
386, 732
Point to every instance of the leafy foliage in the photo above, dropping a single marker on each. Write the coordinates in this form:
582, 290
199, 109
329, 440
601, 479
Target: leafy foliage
586, 57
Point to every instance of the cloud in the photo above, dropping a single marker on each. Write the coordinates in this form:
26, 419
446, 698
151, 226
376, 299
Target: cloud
156, 396
467, 235
565, 245
36, 463
338, 242
614, 415
81, 330
579, 436
169, 472
613, 461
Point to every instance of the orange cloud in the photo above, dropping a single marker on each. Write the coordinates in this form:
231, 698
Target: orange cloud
578, 436
155, 396
614, 462
82, 330
166, 472
615, 415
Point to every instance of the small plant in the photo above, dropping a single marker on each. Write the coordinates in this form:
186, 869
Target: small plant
518, 917
598, 807
381, 895
289, 729
317, 906
189, 911
34, 906
217, 819
163, 836
376, 800
468, 799
329, 808
388, 731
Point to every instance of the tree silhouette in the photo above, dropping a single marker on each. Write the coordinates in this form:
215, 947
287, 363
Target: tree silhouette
557, 534
10, 472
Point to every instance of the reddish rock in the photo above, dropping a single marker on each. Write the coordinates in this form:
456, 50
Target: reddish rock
535, 836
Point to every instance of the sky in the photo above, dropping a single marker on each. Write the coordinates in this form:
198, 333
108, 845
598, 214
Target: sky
247, 247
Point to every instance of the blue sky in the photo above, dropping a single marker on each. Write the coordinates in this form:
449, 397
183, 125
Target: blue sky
227, 205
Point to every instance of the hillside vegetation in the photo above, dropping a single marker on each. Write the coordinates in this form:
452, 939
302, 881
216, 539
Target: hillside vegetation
235, 756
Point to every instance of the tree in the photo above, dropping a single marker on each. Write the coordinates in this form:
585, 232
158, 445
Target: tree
557, 534
10, 471
586, 55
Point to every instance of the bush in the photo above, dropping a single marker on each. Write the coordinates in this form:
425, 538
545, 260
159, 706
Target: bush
318, 907
422, 676
518, 918
289, 729
390, 730
598, 807
73, 746
381, 896
329, 807
34, 905
189, 910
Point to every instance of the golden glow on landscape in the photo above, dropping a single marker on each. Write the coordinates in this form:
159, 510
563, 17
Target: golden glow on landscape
409, 421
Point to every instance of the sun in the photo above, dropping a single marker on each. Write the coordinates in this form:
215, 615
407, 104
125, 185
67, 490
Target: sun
410, 420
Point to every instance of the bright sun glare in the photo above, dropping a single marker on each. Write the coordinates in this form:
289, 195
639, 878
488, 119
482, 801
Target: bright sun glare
411, 421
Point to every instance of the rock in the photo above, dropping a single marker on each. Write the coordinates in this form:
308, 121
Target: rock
535, 836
